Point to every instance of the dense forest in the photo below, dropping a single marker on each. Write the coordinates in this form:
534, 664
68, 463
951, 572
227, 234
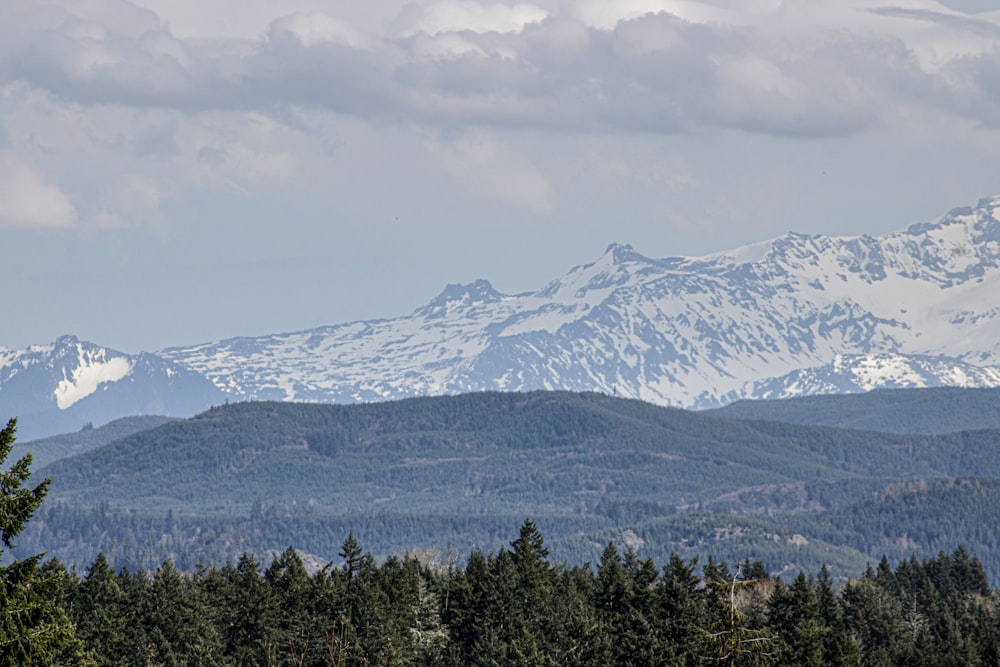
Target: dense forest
920, 518
512, 603
462, 472
514, 607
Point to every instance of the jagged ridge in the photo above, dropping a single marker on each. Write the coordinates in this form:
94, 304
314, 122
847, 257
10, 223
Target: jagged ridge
795, 315
687, 331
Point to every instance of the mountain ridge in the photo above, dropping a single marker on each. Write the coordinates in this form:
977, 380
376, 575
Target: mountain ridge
450, 470
937, 410
795, 315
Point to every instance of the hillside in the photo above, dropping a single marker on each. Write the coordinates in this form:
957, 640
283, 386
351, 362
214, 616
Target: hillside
462, 471
47, 450
928, 411
522, 451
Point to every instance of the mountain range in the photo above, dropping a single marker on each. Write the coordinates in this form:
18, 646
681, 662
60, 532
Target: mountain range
794, 316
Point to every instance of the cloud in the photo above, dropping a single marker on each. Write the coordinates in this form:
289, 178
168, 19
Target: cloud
134, 200
975, 26
93, 64
312, 29
466, 16
581, 66
480, 162
142, 108
28, 200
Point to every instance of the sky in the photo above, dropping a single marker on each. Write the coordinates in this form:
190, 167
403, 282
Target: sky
175, 172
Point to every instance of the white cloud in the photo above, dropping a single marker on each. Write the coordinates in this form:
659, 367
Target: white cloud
314, 29
134, 200
480, 162
27, 199
465, 15
135, 108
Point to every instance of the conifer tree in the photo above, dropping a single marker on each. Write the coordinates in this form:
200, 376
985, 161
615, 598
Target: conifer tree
33, 629
100, 611
351, 553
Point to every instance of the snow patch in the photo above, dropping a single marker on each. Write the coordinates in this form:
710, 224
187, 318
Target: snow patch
87, 377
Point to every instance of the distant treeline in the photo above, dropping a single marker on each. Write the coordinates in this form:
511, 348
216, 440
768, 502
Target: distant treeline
514, 607
922, 517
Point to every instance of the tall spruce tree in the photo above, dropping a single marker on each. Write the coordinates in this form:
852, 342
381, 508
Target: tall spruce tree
33, 629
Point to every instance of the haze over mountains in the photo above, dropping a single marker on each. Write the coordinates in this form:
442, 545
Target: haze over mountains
794, 316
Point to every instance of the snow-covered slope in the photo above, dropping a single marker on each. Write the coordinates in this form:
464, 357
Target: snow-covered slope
858, 373
795, 315
686, 331
60, 387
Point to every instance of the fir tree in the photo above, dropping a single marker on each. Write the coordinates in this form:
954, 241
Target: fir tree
33, 629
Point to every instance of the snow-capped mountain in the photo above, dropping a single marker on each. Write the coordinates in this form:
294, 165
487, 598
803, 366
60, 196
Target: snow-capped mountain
63, 386
798, 314
688, 331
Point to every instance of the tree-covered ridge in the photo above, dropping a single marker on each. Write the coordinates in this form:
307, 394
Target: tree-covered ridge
460, 471
930, 410
515, 606
525, 451
47, 450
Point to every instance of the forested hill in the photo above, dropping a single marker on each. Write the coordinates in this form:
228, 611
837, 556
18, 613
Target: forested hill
463, 471
929, 410
520, 451
46, 450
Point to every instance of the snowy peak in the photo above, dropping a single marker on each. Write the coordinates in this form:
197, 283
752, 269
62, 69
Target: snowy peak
618, 253
961, 246
692, 332
457, 297
59, 387
76, 368
619, 265
794, 315
84, 369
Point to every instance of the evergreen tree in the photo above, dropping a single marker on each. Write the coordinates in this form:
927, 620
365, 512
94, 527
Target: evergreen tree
795, 617
100, 610
838, 649
33, 629
351, 553
430, 635
248, 620
298, 633
682, 612
531, 614
179, 632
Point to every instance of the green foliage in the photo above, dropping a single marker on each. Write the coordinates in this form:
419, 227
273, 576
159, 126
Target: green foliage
33, 629
47, 450
515, 607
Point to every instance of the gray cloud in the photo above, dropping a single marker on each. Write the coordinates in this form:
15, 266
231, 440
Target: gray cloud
157, 141
977, 96
966, 23
420, 150
654, 73
91, 64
